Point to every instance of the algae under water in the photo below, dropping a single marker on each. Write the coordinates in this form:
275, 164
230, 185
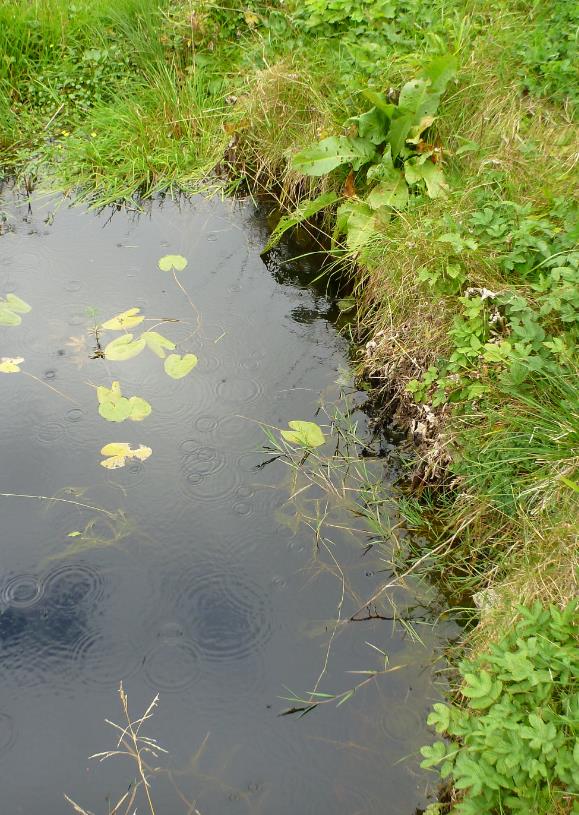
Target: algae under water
177, 574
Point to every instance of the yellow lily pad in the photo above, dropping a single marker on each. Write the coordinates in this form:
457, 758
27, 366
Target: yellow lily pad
10, 365
126, 319
118, 452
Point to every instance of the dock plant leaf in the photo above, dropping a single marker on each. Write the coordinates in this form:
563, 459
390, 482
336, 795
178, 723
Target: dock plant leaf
304, 434
10, 365
326, 155
157, 343
179, 366
124, 320
170, 263
123, 348
117, 454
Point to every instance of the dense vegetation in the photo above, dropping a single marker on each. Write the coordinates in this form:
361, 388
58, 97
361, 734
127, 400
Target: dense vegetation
434, 142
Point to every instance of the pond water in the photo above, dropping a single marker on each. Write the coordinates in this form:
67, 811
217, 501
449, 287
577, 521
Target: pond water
183, 574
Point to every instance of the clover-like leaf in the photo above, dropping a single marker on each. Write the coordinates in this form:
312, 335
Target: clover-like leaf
140, 409
177, 367
304, 434
170, 263
439, 718
481, 690
115, 411
124, 348
118, 452
10, 365
157, 343
126, 319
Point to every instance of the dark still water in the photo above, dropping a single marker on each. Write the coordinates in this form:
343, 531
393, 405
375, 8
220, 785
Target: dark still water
184, 574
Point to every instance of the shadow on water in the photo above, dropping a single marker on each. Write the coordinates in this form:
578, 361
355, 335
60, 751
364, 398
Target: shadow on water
188, 573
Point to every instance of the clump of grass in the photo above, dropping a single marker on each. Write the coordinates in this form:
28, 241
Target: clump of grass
133, 744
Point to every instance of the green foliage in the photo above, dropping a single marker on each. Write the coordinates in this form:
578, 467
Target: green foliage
548, 56
305, 210
514, 741
388, 154
505, 335
11, 307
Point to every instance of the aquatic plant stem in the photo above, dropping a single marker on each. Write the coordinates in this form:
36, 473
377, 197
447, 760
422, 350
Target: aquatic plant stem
60, 393
60, 500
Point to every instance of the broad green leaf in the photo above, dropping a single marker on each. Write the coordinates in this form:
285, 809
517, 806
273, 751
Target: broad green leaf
118, 452
417, 98
356, 220
373, 125
416, 131
17, 305
305, 210
332, 152
169, 263
177, 367
304, 434
126, 319
157, 343
389, 193
382, 171
7, 316
379, 101
417, 170
399, 130
10, 365
440, 71
124, 348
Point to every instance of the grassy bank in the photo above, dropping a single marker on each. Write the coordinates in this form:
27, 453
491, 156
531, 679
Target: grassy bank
448, 202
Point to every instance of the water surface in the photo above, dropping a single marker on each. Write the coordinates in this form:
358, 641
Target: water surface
195, 582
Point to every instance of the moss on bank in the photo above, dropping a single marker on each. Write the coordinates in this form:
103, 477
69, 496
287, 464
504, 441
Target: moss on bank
467, 304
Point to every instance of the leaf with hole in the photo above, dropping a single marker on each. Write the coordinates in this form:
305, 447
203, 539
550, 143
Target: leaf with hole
391, 192
10, 365
304, 434
177, 367
157, 343
124, 320
124, 348
172, 263
118, 452
421, 169
373, 125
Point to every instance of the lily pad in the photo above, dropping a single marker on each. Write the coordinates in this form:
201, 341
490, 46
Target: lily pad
157, 343
304, 434
177, 367
114, 407
126, 319
170, 263
124, 348
118, 452
10, 365
11, 308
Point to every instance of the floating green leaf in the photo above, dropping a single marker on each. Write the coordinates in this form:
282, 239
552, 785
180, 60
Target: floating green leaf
118, 452
10, 365
177, 367
170, 263
157, 343
304, 434
124, 320
11, 307
124, 348
114, 407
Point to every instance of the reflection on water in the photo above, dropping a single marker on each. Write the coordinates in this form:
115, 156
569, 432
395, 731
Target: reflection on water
188, 574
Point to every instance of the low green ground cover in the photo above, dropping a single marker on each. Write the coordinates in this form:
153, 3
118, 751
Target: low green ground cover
433, 143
